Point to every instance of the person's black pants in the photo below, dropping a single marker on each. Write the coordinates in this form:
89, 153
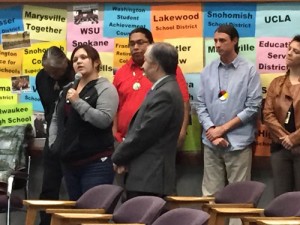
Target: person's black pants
52, 178
286, 171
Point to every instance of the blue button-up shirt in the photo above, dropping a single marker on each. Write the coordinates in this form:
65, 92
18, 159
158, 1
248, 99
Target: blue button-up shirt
242, 83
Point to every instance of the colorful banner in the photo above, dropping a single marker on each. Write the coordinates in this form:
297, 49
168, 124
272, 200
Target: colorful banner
247, 49
10, 63
263, 141
6, 95
265, 80
176, 21
120, 19
242, 16
32, 56
11, 20
16, 114
121, 52
265, 31
190, 51
44, 24
271, 54
277, 19
32, 96
107, 65
192, 141
85, 26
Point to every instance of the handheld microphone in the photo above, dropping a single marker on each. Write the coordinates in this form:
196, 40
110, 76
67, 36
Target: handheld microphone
76, 80
75, 83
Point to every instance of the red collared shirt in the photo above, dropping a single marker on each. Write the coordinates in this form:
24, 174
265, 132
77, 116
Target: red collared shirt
130, 99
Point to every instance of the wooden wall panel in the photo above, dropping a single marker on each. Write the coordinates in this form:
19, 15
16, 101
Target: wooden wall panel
137, 1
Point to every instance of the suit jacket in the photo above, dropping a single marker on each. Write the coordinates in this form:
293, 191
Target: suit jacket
149, 149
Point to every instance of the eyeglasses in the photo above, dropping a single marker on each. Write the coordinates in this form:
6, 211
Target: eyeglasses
138, 42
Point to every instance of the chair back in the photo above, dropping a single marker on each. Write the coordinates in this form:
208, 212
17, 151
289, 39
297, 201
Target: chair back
15, 202
287, 204
104, 196
15, 166
184, 216
141, 209
241, 192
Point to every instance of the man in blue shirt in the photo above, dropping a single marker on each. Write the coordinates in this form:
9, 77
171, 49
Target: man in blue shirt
229, 101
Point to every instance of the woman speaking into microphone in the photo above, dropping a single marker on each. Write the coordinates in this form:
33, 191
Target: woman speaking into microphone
81, 127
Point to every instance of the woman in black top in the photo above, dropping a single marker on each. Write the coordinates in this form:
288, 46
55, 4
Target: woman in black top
81, 127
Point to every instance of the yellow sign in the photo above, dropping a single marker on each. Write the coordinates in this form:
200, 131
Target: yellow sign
10, 63
32, 57
45, 24
16, 114
6, 96
176, 20
190, 52
106, 67
266, 80
121, 52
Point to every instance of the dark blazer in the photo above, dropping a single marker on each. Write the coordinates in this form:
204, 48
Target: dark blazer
149, 149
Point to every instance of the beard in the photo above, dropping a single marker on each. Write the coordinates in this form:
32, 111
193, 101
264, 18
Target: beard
138, 59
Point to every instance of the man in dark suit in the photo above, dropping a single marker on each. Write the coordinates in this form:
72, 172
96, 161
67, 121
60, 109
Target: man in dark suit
149, 149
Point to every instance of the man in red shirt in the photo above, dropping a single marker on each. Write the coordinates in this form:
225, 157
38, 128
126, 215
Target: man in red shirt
133, 86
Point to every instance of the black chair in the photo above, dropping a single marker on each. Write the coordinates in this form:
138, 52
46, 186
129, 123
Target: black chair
15, 165
287, 204
238, 194
248, 192
142, 209
182, 216
283, 207
99, 199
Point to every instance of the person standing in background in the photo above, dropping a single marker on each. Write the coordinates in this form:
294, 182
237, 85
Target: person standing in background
133, 86
282, 118
57, 72
39, 126
81, 126
229, 98
148, 151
